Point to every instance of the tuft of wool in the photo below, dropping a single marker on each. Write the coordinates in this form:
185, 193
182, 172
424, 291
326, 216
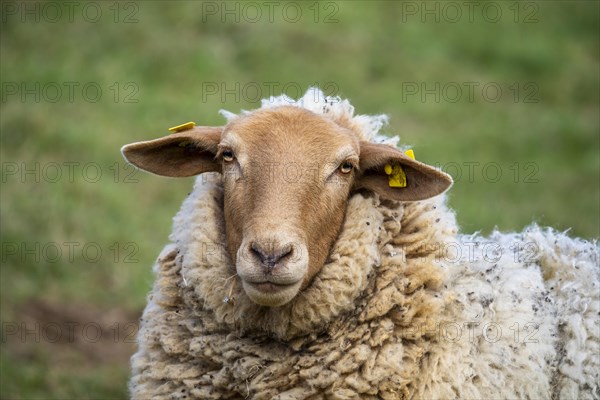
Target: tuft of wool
404, 308
367, 127
526, 307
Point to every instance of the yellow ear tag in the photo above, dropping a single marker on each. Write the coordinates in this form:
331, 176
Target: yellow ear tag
183, 127
396, 177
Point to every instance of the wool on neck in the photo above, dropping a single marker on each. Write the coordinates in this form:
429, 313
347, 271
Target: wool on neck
371, 230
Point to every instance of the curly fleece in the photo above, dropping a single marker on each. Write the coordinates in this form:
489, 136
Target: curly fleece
404, 308
399, 311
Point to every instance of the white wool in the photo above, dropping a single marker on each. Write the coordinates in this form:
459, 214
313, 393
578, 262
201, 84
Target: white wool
538, 294
332, 107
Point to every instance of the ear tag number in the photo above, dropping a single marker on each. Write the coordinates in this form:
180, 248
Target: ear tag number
396, 175
183, 127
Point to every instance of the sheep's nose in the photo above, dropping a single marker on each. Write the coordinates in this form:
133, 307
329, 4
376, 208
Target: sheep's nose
271, 254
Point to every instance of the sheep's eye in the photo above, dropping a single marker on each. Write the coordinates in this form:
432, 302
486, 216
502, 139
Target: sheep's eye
346, 167
228, 156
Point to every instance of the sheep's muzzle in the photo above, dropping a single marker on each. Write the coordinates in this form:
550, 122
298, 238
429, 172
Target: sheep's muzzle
272, 267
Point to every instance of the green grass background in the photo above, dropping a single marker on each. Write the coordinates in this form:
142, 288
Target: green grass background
369, 52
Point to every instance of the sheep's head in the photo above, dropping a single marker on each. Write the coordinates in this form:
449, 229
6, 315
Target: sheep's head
287, 176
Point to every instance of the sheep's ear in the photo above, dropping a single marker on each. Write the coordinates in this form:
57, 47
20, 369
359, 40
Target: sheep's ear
186, 153
421, 180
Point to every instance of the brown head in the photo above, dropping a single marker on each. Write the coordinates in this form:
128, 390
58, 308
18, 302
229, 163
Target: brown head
287, 176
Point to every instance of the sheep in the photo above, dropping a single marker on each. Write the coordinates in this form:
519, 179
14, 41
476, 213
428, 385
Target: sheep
296, 270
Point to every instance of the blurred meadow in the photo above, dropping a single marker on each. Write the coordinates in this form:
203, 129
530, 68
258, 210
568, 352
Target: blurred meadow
502, 95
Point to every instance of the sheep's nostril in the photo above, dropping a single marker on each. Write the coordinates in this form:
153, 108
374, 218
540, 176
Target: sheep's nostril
272, 255
258, 252
285, 251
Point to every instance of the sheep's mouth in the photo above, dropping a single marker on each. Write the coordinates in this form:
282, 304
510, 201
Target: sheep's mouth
271, 287
271, 294
280, 279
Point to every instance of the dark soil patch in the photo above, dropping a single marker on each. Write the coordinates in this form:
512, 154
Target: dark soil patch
97, 335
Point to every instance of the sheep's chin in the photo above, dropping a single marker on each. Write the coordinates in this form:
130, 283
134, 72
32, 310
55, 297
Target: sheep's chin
270, 295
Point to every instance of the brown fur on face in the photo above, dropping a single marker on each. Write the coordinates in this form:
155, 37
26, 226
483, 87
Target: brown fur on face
287, 176
285, 184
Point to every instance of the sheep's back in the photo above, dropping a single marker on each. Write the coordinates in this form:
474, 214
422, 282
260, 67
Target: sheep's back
523, 319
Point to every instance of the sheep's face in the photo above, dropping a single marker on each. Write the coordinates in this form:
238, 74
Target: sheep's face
287, 176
